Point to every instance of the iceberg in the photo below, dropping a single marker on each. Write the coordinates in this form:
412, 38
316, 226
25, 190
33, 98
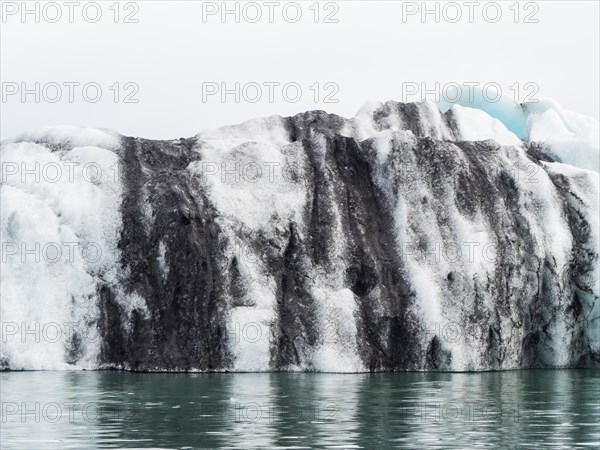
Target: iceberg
413, 236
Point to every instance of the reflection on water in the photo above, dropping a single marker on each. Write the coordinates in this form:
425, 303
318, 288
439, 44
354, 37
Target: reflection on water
291, 410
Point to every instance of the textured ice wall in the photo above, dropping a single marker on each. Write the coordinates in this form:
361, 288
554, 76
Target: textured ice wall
61, 223
400, 239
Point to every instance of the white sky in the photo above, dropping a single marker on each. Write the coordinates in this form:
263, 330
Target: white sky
170, 52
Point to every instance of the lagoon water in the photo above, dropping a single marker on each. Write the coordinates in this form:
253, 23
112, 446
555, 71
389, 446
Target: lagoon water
108, 409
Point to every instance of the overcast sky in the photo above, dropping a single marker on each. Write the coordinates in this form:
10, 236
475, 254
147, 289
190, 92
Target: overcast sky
176, 51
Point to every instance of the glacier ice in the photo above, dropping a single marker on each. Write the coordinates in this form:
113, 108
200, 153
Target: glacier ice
413, 236
567, 136
56, 218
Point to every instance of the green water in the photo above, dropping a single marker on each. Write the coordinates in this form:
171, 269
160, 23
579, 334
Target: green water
525, 409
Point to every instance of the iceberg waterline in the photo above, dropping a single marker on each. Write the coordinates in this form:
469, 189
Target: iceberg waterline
400, 239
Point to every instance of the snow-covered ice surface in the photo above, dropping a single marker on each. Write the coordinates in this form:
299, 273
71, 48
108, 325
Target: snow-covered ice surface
60, 233
405, 238
569, 137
